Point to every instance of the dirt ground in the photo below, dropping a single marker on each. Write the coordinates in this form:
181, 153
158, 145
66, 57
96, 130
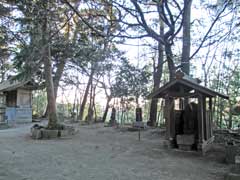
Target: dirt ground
101, 153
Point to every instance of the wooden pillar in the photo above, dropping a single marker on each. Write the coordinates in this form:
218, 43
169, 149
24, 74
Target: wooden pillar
204, 119
167, 117
170, 124
172, 119
200, 121
31, 98
208, 120
210, 117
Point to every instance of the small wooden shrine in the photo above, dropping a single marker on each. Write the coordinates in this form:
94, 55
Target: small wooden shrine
188, 112
16, 104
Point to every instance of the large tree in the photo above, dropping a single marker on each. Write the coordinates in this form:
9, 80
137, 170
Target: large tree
40, 31
52, 112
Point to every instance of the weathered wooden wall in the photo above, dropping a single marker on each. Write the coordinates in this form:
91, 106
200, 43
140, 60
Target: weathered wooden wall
19, 106
11, 97
24, 98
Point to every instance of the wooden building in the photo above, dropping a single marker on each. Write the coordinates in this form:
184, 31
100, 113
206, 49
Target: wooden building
188, 112
17, 95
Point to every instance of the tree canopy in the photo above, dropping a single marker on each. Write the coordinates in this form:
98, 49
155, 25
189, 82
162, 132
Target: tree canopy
121, 48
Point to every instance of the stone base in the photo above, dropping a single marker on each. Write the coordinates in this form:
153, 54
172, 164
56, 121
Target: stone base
232, 176
63, 133
185, 141
4, 125
170, 144
234, 173
167, 144
185, 147
231, 152
66, 131
139, 124
40, 132
49, 134
112, 123
237, 160
36, 133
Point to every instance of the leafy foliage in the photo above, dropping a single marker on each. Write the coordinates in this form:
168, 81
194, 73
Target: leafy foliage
131, 81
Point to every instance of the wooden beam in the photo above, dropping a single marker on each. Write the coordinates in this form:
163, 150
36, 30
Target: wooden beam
182, 94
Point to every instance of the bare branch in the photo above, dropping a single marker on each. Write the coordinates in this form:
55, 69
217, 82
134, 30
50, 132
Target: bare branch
209, 30
150, 31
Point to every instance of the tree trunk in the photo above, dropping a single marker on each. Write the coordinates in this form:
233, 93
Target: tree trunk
58, 75
221, 113
186, 42
52, 112
153, 113
171, 66
106, 109
73, 114
230, 115
94, 103
113, 117
84, 101
60, 67
157, 75
90, 107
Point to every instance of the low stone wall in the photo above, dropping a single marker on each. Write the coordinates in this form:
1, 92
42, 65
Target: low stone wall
232, 150
234, 173
4, 125
225, 136
231, 140
40, 132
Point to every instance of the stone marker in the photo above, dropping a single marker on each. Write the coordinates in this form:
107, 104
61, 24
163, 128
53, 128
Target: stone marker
237, 160
231, 152
235, 171
232, 176
139, 124
138, 114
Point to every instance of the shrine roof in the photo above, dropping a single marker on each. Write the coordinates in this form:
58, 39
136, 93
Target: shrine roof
183, 86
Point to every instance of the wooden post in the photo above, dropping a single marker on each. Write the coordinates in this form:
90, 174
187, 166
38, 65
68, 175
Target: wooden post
172, 118
204, 118
200, 122
210, 116
139, 134
167, 117
138, 114
207, 120
170, 124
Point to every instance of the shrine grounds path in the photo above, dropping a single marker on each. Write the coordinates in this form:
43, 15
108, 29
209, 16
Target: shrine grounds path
102, 153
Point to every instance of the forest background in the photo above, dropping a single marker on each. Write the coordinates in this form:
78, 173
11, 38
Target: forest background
88, 56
